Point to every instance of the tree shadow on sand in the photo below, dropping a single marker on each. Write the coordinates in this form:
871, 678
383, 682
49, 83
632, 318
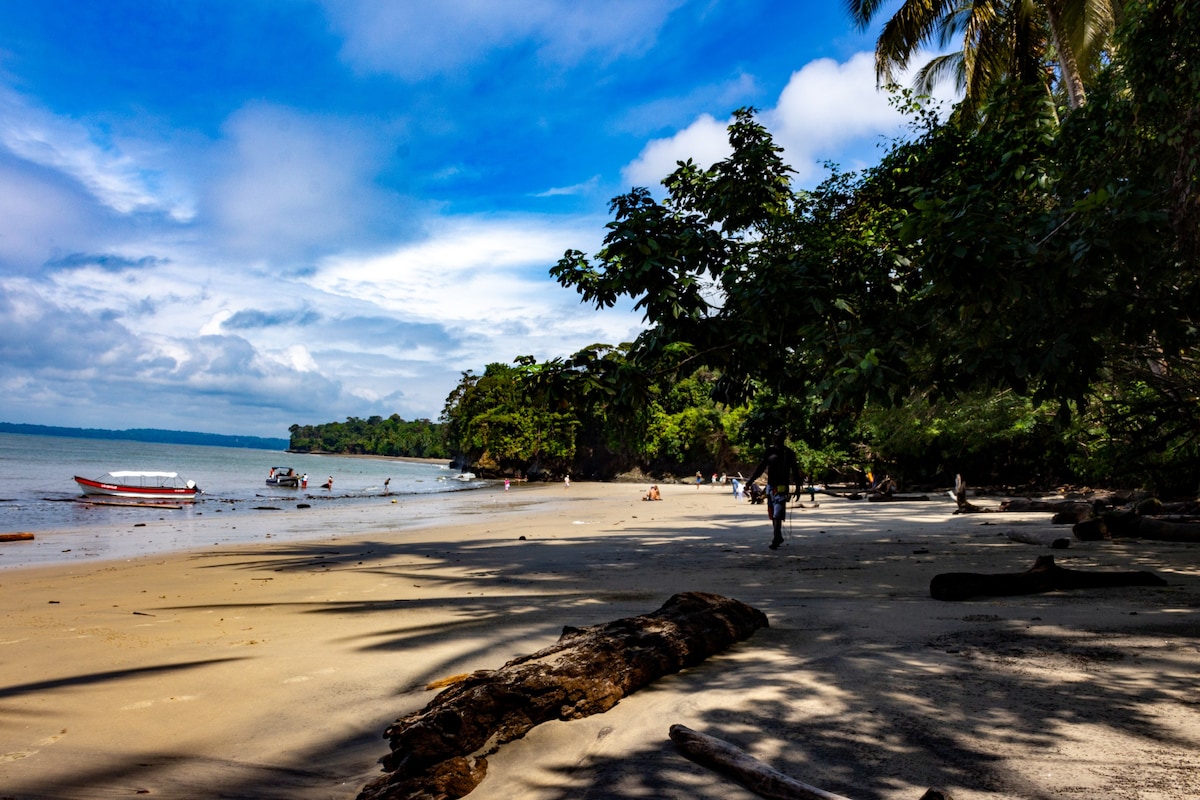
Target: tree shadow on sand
856, 705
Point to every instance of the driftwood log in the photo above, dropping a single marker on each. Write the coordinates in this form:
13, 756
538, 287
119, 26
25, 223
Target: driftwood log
16, 537
1044, 576
751, 773
440, 751
1073, 509
959, 496
1131, 525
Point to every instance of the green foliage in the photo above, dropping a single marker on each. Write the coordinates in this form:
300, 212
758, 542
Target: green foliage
1021, 267
374, 436
493, 420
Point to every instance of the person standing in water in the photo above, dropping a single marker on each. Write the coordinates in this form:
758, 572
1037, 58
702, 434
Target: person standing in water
781, 466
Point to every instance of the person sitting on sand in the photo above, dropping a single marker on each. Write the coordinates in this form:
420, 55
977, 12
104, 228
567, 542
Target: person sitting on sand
653, 493
328, 484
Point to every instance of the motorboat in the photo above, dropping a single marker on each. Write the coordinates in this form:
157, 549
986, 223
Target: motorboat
284, 476
140, 485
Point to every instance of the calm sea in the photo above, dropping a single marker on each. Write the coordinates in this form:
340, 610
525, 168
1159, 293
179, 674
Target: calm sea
38, 493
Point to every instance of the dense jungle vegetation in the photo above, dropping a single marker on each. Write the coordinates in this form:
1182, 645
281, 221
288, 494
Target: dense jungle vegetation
1010, 293
374, 436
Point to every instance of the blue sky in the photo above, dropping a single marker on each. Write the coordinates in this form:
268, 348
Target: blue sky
235, 216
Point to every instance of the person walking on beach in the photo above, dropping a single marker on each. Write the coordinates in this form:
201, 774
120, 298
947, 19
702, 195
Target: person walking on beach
567, 482
386, 482
780, 465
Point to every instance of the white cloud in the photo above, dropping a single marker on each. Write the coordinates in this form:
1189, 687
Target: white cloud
477, 277
287, 182
705, 141
417, 39
829, 111
111, 175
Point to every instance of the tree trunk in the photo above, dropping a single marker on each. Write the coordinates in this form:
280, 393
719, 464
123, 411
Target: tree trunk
1044, 576
439, 751
744, 768
751, 773
1072, 78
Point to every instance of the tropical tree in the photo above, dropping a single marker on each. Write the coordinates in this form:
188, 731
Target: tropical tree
1023, 41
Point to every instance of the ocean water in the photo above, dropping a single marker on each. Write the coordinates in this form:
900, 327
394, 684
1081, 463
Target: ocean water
38, 491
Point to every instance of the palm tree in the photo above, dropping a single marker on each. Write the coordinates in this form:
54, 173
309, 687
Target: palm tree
1027, 41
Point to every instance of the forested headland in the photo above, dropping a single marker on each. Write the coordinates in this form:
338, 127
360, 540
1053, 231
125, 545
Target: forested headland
373, 436
1010, 293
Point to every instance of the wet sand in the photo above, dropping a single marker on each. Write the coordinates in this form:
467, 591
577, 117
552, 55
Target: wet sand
271, 669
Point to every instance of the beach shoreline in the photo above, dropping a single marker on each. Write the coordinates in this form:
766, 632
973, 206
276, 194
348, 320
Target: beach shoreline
271, 669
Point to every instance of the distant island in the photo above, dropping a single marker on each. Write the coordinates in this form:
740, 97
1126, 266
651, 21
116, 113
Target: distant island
149, 435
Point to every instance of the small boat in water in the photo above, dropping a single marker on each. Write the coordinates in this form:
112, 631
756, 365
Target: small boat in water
141, 485
283, 476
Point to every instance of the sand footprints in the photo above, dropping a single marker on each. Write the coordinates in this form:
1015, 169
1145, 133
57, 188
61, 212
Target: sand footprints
309, 677
17, 755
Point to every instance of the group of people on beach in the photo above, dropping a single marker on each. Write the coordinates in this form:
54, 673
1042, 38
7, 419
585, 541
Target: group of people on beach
783, 472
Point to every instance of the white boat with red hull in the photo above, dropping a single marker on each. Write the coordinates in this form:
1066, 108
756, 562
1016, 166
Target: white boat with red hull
140, 485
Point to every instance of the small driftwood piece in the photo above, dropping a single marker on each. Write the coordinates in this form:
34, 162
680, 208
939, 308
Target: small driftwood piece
959, 496
751, 773
1043, 538
440, 751
1044, 576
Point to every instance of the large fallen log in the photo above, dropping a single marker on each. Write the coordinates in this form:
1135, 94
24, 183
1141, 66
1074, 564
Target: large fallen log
1044, 576
1128, 524
1079, 509
751, 773
440, 751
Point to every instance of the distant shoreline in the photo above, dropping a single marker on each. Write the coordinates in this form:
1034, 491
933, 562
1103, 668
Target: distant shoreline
409, 459
148, 435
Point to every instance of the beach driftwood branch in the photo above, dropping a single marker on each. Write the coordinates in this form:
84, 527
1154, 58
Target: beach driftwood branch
751, 773
1130, 524
440, 751
1043, 576
743, 768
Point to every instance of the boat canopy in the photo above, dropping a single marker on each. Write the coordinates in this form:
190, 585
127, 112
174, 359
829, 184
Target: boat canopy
140, 474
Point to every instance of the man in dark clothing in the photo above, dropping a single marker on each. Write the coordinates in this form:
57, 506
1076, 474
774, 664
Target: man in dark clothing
780, 465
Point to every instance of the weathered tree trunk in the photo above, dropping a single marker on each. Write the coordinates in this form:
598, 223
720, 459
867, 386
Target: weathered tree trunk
1044, 576
438, 752
1072, 510
16, 537
752, 773
1131, 525
960, 498
744, 768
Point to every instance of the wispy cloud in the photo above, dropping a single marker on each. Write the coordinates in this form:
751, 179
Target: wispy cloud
113, 177
419, 39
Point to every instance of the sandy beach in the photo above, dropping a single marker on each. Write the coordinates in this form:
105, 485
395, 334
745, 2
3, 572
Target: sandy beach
271, 670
